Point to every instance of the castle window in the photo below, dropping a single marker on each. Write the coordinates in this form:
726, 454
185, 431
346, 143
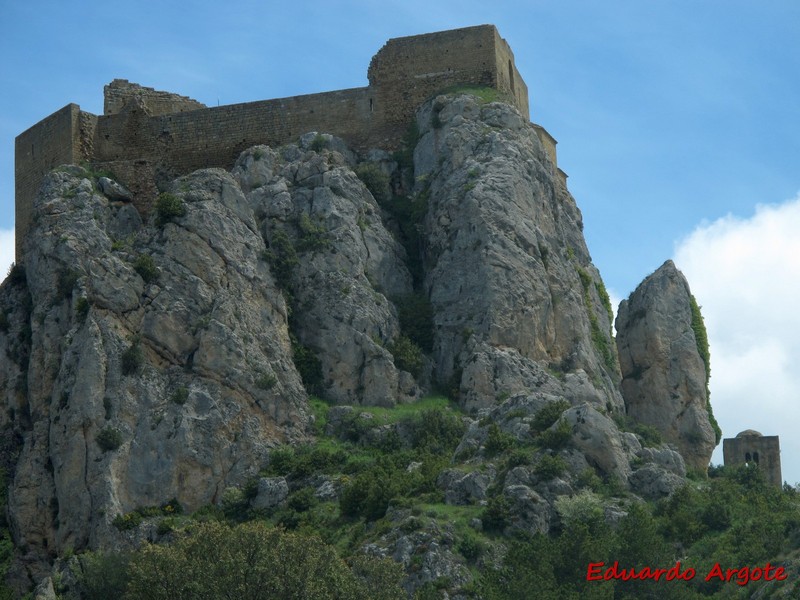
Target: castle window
755, 457
511, 75
747, 458
370, 105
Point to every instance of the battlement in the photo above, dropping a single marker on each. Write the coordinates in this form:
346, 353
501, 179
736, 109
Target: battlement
148, 137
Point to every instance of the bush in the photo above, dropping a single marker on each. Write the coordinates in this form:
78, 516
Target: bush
557, 438
308, 366
549, 467
180, 395
498, 441
145, 266
109, 439
407, 355
319, 143
82, 308
102, 576
16, 274
549, 414
313, 236
415, 313
376, 181
496, 514
132, 359
255, 561
282, 258
266, 382
168, 208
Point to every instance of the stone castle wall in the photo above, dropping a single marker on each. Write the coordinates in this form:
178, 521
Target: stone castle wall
121, 93
51, 142
763, 451
147, 137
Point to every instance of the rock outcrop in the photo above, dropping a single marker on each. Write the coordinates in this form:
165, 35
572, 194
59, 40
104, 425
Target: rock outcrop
159, 359
664, 376
507, 268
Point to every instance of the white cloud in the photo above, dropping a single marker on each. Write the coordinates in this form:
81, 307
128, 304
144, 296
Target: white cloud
6, 251
745, 273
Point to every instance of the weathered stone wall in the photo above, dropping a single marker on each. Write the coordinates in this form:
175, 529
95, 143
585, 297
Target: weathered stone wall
121, 92
765, 451
147, 136
409, 70
51, 142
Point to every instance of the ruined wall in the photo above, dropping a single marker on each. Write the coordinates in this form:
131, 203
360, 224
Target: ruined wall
134, 144
51, 142
407, 71
754, 448
508, 77
120, 92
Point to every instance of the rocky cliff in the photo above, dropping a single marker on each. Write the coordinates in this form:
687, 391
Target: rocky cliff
663, 353
161, 358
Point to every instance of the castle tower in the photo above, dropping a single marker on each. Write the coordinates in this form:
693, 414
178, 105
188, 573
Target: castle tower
750, 447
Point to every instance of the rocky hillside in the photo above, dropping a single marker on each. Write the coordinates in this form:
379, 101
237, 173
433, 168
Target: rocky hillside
160, 360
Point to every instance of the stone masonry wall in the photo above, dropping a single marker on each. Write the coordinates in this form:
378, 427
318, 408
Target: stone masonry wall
120, 92
52, 142
764, 451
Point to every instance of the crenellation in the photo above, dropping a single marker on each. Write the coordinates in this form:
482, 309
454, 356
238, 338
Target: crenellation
147, 137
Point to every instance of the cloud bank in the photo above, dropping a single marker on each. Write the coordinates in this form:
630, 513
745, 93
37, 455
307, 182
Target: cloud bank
745, 273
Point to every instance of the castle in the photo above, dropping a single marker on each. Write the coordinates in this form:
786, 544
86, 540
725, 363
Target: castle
147, 137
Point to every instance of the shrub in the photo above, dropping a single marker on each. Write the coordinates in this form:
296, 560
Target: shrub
498, 441
407, 355
266, 382
109, 439
313, 236
376, 181
169, 207
319, 143
180, 395
132, 359
415, 313
16, 274
556, 438
145, 266
549, 467
282, 258
496, 514
549, 414
102, 576
82, 308
308, 366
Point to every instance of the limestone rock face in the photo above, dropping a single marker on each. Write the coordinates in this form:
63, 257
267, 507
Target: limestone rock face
153, 359
508, 271
663, 374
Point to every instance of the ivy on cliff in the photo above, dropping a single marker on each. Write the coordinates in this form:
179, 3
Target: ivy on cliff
701, 339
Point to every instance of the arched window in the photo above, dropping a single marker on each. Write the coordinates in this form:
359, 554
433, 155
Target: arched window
747, 458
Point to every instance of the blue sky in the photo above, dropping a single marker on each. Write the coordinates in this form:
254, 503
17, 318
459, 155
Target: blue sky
677, 122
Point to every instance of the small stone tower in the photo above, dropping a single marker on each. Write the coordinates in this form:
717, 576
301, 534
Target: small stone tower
750, 447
